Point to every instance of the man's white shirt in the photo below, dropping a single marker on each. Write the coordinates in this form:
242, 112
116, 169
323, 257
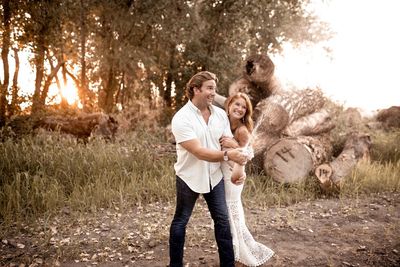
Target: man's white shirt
188, 124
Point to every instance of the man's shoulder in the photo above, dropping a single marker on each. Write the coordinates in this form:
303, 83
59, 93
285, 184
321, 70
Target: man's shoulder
182, 113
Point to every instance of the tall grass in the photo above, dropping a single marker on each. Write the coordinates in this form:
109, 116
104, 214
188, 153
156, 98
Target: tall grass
44, 173
41, 175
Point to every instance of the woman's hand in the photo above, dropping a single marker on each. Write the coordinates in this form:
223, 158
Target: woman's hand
228, 142
238, 181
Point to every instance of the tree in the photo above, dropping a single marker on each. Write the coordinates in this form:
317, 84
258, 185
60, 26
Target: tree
4, 56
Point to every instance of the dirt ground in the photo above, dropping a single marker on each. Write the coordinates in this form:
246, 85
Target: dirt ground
326, 232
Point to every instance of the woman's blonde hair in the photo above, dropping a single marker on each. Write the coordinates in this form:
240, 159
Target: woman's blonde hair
247, 118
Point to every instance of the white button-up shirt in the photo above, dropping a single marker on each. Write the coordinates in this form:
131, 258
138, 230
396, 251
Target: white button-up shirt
188, 124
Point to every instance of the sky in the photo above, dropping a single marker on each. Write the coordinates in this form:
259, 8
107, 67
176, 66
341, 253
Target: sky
363, 68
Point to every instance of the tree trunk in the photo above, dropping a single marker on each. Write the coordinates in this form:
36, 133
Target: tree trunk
292, 159
47, 83
168, 86
109, 91
4, 56
356, 147
83, 83
14, 107
39, 63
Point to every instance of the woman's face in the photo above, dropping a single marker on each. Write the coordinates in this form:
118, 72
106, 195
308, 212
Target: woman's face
237, 109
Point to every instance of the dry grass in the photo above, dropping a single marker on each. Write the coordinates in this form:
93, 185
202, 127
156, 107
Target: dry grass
44, 174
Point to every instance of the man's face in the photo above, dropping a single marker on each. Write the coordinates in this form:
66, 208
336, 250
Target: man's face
206, 92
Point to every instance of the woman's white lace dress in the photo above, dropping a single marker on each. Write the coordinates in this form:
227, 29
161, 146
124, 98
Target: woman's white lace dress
246, 249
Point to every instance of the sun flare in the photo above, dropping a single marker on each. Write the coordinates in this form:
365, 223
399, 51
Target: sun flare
70, 93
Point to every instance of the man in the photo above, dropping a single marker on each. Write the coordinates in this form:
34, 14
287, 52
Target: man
197, 128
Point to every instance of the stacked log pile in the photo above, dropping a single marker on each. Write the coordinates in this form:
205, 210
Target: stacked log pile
291, 134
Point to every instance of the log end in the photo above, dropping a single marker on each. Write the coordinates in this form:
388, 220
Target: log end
258, 68
324, 174
288, 161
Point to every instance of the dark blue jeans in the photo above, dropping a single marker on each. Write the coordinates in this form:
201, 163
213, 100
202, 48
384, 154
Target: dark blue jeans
185, 201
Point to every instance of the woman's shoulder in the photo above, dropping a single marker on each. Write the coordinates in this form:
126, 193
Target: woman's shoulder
242, 135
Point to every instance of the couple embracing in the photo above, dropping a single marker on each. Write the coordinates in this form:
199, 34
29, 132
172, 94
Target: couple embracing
212, 149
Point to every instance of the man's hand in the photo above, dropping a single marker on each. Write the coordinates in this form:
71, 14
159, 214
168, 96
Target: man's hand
237, 156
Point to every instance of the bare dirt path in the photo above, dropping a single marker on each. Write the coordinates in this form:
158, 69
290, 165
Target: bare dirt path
325, 232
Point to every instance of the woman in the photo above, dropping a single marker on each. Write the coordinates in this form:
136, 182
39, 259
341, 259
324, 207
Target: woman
247, 250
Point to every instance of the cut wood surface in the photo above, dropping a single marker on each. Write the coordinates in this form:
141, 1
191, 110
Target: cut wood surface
257, 80
288, 161
292, 159
258, 68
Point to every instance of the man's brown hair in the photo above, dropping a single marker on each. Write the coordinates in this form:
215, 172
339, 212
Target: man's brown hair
197, 80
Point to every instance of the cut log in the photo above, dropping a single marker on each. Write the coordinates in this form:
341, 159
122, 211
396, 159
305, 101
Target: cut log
297, 103
219, 100
241, 85
257, 80
352, 117
313, 124
258, 68
83, 127
356, 147
255, 92
292, 159
323, 173
270, 118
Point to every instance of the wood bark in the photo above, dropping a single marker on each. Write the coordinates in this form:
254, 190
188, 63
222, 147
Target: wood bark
297, 103
83, 126
4, 56
274, 117
14, 107
313, 124
39, 64
219, 100
257, 80
83, 88
356, 148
